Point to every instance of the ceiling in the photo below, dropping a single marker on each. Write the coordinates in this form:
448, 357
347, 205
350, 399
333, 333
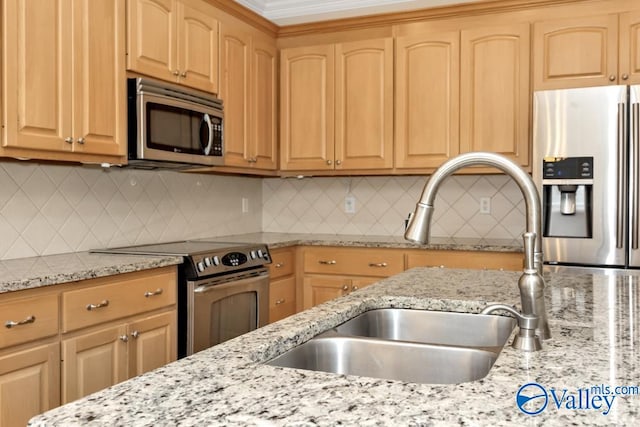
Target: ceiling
289, 12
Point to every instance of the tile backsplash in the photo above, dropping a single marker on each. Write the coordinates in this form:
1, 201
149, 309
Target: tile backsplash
49, 209
317, 205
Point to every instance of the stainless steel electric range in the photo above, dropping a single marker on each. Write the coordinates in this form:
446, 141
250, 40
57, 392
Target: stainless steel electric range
223, 289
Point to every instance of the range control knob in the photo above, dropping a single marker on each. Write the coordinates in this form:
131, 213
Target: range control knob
200, 266
216, 260
260, 253
208, 261
254, 254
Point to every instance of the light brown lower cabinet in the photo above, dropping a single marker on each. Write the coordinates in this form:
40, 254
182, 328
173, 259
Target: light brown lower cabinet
465, 259
282, 285
29, 383
318, 289
66, 341
97, 359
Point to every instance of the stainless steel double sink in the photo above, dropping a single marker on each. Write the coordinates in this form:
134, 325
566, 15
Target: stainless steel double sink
416, 346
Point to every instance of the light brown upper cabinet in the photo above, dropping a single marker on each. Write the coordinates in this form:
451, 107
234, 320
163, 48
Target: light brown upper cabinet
461, 91
494, 91
64, 80
427, 99
587, 51
248, 89
337, 106
175, 41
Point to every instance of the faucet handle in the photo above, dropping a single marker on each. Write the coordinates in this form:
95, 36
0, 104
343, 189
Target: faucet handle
529, 239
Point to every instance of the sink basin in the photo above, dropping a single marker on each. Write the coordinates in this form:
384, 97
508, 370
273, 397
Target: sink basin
417, 346
393, 360
433, 327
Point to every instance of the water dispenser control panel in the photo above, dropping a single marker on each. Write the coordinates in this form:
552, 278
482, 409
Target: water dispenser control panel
567, 168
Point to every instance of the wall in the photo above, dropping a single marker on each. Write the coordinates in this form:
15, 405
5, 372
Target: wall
316, 205
48, 209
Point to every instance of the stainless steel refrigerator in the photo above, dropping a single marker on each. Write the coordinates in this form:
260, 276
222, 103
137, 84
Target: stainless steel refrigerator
586, 165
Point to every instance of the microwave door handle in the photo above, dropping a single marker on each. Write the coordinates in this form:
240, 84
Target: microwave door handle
207, 120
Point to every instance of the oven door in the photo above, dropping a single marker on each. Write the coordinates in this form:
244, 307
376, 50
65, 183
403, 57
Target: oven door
225, 307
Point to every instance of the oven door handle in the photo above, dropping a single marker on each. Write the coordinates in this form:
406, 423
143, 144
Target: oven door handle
230, 281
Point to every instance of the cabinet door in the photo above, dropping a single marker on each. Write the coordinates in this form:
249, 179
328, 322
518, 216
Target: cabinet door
93, 361
152, 38
152, 343
197, 41
319, 289
29, 383
427, 102
575, 52
282, 298
364, 105
264, 113
234, 91
37, 74
630, 47
99, 81
307, 108
494, 91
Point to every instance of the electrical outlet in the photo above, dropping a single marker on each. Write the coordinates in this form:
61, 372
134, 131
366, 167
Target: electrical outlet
485, 205
245, 205
350, 204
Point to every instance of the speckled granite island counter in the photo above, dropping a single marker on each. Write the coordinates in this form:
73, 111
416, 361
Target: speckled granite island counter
593, 318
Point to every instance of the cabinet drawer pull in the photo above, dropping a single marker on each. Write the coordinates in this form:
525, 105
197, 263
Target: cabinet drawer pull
345, 288
154, 293
279, 265
280, 301
135, 334
332, 262
10, 323
378, 264
124, 338
101, 304
354, 288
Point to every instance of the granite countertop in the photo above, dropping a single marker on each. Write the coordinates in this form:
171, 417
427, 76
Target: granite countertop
26, 273
279, 240
33, 272
593, 320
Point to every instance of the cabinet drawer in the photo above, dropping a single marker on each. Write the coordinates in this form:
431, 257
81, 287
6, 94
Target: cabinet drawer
466, 259
138, 293
282, 298
353, 261
28, 319
281, 263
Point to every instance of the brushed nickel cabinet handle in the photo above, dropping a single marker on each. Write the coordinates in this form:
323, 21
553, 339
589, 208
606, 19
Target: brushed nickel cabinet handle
354, 288
338, 162
279, 265
183, 74
329, 162
154, 293
101, 304
68, 140
345, 288
176, 73
625, 76
124, 338
280, 301
135, 334
331, 262
612, 78
10, 323
80, 140
378, 264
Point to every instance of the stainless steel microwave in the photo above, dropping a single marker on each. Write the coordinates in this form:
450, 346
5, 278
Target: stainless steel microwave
170, 126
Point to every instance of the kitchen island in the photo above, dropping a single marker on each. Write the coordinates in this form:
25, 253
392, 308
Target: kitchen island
595, 343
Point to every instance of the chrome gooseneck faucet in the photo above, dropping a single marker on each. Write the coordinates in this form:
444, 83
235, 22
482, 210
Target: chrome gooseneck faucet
531, 283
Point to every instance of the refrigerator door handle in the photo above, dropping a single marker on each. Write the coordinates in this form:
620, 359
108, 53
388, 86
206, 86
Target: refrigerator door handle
621, 177
635, 150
